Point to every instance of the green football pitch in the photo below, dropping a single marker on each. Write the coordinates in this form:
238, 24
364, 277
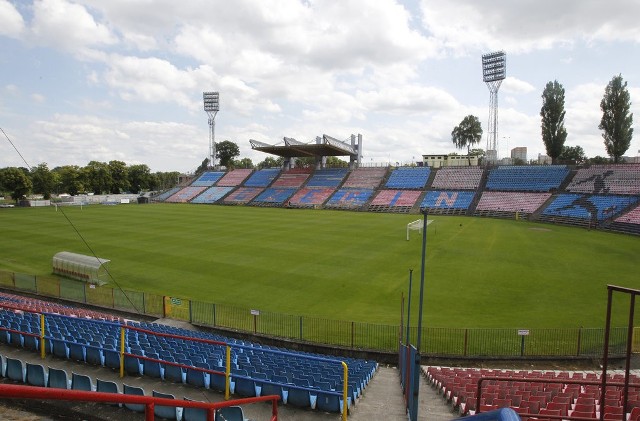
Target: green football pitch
340, 265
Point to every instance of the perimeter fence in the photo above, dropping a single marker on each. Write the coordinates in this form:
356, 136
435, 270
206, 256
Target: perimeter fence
443, 342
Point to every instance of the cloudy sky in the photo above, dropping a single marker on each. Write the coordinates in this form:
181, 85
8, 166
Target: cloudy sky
84, 80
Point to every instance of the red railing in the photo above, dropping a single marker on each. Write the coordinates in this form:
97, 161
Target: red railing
43, 393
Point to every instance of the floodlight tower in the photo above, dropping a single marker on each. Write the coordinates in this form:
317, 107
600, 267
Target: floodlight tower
494, 71
211, 107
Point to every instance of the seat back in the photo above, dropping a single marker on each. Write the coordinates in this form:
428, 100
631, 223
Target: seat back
15, 370
36, 375
132, 390
58, 378
166, 412
81, 382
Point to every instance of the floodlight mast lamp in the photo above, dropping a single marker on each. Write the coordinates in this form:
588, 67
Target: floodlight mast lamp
211, 107
494, 71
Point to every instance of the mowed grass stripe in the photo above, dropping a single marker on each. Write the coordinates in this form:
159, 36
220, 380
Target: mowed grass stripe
339, 265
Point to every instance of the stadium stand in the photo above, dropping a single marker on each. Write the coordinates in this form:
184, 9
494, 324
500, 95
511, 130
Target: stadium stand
273, 196
349, 199
457, 178
262, 178
234, 177
242, 195
400, 201
506, 204
185, 194
571, 206
327, 178
603, 179
408, 178
212, 195
629, 222
311, 380
207, 178
365, 178
458, 386
164, 196
447, 202
293, 178
310, 197
527, 178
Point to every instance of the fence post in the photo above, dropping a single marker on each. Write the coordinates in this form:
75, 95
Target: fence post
300, 317
352, 333
42, 346
466, 341
579, 340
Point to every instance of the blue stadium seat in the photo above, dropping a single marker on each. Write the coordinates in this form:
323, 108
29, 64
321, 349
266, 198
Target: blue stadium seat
81, 382
58, 379
105, 386
193, 414
36, 375
133, 390
229, 413
166, 412
15, 370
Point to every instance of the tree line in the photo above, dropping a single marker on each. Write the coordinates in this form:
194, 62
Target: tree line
616, 125
115, 177
96, 177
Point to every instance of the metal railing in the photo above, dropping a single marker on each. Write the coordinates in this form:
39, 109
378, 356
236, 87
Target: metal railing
460, 342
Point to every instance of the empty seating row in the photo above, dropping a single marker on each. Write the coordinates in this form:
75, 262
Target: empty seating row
310, 197
185, 194
328, 177
448, 200
603, 179
555, 393
234, 177
365, 178
41, 306
37, 375
207, 178
296, 376
274, 196
293, 178
242, 195
408, 178
262, 178
527, 178
347, 198
165, 195
212, 195
457, 178
587, 207
524, 203
395, 200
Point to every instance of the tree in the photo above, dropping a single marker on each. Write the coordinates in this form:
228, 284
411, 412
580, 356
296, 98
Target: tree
165, 180
119, 176
243, 163
44, 181
552, 112
467, 133
270, 162
572, 155
139, 178
203, 166
98, 177
335, 162
616, 120
71, 180
16, 182
226, 151
598, 160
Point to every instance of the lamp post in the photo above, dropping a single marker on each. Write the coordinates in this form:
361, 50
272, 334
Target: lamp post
416, 379
211, 107
494, 71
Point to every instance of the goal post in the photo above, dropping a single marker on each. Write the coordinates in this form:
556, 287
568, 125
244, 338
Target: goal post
416, 226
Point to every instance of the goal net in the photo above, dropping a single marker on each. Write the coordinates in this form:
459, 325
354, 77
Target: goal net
416, 226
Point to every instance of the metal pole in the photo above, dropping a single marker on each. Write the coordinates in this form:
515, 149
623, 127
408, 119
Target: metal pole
416, 377
605, 352
627, 367
409, 307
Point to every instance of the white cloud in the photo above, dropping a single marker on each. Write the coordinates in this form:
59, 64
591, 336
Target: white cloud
67, 26
512, 85
11, 22
522, 26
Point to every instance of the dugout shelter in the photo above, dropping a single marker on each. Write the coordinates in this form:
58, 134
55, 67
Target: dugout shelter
80, 267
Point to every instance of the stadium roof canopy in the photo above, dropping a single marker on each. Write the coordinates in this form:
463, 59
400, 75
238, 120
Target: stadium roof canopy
323, 146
